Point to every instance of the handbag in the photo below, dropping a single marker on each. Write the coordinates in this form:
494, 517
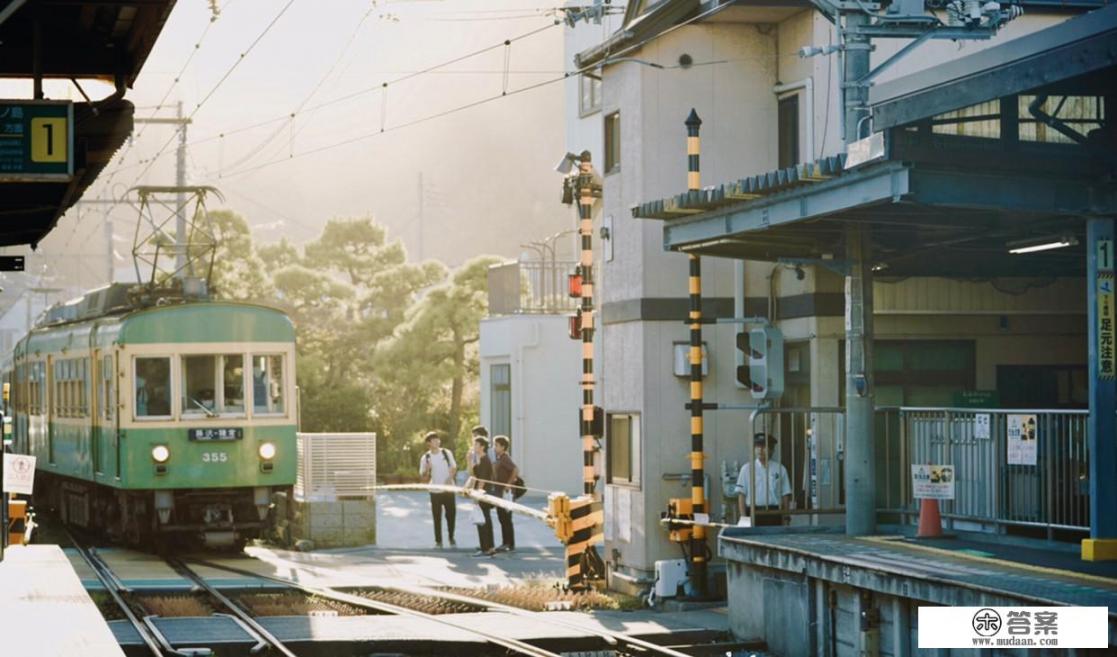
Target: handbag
518, 489
476, 516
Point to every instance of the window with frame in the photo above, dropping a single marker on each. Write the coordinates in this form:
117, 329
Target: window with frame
212, 384
268, 389
612, 142
589, 94
622, 449
788, 128
500, 399
152, 386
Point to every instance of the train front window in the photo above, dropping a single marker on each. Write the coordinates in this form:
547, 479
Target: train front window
153, 387
267, 384
199, 385
232, 383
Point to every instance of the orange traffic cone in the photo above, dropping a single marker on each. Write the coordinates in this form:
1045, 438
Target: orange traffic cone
930, 523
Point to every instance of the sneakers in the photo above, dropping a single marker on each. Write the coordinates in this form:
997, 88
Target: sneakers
453, 544
438, 545
505, 548
483, 553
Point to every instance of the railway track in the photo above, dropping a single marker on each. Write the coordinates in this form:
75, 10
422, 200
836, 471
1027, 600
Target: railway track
618, 639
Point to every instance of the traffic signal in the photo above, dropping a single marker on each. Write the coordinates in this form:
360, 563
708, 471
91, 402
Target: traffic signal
762, 372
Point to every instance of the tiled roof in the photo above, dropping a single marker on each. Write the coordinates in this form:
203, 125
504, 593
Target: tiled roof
745, 189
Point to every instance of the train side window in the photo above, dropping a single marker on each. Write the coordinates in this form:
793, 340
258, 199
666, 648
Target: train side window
199, 385
232, 383
107, 402
267, 384
153, 387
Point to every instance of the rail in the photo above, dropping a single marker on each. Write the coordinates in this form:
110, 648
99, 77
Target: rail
519, 647
258, 631
609, 636
1018, 467
115, 589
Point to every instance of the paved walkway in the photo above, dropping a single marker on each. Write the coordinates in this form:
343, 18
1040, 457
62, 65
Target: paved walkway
403, 520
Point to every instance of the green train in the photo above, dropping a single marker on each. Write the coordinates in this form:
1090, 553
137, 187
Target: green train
166, 424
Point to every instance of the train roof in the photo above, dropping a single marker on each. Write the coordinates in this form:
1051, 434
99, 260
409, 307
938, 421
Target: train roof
142, 318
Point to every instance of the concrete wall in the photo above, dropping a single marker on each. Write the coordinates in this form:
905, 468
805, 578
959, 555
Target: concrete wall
545, 367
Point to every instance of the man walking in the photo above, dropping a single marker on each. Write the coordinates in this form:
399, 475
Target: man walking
771, 485
437, 466
506, 473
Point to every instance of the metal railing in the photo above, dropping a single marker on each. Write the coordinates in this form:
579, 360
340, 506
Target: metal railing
1045, 487
531, 287
809, 442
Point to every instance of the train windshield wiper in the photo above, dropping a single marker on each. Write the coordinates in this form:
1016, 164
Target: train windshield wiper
202, 406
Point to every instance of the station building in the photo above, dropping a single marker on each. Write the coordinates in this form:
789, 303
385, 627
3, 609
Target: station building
964, 338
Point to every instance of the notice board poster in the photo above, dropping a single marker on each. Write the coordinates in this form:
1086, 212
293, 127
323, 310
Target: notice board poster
1022, 439
932, 482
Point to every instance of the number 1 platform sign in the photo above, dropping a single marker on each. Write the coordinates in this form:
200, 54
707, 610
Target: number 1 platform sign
36, 141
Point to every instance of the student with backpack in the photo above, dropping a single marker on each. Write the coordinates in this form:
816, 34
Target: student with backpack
437, 466
506, 473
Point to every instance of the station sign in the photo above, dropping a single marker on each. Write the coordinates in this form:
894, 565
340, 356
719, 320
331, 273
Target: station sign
19, 474
36, 141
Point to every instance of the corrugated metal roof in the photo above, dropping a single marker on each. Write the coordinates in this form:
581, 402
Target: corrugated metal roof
745, 189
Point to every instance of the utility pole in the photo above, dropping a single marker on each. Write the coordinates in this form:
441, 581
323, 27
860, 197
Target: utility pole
420, 216
858, 23
180, 198
181, 238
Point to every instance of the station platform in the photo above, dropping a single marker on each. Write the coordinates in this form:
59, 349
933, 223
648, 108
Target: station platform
44, 609
897, 574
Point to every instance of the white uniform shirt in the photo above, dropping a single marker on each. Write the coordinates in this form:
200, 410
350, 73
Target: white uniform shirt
438, 466
772, 482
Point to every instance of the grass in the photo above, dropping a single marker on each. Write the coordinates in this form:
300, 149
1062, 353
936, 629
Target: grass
295, 604
106, 605
175, 606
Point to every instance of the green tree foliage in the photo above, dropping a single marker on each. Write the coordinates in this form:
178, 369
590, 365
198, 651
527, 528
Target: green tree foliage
438, 344
383, 344
238, 272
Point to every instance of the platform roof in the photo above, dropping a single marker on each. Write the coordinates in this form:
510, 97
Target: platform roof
100, 39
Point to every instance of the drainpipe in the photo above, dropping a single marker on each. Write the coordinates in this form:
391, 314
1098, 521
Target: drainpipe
807, 85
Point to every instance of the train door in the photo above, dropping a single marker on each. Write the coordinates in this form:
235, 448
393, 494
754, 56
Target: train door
49, 394
96, 412
112, 384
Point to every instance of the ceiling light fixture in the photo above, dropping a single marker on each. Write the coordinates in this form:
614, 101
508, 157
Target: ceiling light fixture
1041, 244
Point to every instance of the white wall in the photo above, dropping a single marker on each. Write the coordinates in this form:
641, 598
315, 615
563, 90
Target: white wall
546, 366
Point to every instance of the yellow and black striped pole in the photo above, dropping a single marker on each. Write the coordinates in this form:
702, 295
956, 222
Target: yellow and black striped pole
585, 231
587, 522
697, 467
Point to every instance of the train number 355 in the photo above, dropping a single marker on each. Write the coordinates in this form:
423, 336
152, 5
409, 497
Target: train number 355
215, 457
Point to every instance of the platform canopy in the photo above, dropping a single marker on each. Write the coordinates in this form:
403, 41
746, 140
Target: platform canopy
84, 39
1008, 148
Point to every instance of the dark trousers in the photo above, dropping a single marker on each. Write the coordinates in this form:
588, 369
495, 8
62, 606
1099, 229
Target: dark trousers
507, 531
485, 531
445, 501
766, 519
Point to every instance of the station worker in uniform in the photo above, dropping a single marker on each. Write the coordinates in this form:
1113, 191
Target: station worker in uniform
437, 467
772, 485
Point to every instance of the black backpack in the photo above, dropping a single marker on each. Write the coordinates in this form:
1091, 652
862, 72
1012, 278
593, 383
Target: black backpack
518, 489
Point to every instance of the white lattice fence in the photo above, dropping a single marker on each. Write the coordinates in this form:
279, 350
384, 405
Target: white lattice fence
336, 466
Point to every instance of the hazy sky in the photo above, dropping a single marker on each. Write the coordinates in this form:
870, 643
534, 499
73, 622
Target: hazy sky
487, 178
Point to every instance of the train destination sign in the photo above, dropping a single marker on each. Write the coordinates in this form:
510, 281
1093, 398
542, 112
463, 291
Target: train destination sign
36, 141
215, 435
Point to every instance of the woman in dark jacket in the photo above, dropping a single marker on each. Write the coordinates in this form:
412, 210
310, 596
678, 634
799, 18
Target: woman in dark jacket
481, 473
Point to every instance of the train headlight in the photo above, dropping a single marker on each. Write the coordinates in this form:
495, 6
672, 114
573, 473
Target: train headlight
267, 451
160, 453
